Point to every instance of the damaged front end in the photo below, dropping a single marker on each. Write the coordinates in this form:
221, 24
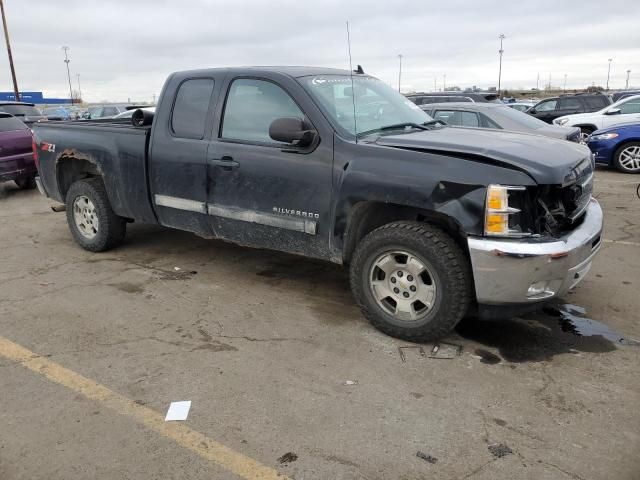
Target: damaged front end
553, 210
555, 231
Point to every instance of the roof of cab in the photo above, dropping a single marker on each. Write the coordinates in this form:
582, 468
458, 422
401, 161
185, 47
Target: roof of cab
293, 71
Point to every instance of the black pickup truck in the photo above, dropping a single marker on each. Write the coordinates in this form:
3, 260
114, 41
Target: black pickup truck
434, 222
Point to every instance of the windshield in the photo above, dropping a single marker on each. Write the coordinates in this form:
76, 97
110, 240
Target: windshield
521, 118
21, 110
377, 105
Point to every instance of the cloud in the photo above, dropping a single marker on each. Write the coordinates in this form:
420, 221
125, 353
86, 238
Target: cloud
125, 49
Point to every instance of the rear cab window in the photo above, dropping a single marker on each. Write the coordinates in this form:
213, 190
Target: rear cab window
190, 108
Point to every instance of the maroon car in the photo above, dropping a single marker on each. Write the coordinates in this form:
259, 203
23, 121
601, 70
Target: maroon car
16, 152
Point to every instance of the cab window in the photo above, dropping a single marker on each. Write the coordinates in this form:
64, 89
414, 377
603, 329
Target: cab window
252, 105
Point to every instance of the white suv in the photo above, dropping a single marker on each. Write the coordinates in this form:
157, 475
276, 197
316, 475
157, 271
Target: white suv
626, 110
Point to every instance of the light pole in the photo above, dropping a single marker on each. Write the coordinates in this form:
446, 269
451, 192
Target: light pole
66, 60
79, 87
609, 73
6, 37
501, 51
538, 81
564, 88
626, 86
444, 82
399, 72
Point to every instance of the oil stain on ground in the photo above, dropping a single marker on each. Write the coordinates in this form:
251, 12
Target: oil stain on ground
561, 328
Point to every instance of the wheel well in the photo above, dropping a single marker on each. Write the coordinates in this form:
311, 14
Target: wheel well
70, 170
367, 216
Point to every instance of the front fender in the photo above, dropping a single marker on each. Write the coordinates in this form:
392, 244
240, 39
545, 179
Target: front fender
446, 185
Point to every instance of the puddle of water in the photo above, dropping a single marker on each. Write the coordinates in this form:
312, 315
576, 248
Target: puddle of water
559, 329
572, 320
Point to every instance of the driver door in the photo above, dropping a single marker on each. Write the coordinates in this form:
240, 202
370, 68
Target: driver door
261, 192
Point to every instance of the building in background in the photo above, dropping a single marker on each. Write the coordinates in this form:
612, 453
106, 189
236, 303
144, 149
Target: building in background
34, 97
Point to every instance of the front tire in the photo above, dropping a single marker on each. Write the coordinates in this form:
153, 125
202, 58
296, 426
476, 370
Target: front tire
411, 281
627, 158
91, 220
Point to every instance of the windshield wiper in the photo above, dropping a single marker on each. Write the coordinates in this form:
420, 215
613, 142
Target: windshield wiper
399, 126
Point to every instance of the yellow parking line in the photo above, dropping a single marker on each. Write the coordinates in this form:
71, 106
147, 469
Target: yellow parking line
216, 452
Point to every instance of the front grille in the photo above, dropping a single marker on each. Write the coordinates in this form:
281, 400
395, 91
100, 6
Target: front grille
561, 208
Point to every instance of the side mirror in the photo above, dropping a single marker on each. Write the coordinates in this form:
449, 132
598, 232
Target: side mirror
532, 111
613, 111
291, 130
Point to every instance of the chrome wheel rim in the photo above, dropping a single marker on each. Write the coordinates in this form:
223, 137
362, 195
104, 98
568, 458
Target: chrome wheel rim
630, 158
85, 217
402, 285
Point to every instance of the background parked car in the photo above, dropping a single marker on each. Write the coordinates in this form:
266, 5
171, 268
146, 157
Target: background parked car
618, 146
521, 106
549, 109
104, 111
440, 97
626, 110
493, 115
56, 113
626, 93
16, 152
27, 112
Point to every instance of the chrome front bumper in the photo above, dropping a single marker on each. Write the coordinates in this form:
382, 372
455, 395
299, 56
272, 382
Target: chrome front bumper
525, 271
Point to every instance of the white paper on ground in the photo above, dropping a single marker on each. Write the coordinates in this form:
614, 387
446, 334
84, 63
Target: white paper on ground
178, 411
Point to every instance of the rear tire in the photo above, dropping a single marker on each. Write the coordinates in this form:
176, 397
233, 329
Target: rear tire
91, 220
411, 280
627, 158
26, 183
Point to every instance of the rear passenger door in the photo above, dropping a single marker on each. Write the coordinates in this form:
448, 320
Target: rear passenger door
178, 152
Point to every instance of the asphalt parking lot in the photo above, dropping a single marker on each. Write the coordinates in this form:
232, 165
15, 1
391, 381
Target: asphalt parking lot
286, 376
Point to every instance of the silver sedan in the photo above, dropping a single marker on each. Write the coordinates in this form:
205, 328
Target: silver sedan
496, 116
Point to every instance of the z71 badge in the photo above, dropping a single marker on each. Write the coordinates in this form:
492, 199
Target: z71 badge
297, 213
48, 147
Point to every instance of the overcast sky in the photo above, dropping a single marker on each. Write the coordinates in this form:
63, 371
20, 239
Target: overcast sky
125, 48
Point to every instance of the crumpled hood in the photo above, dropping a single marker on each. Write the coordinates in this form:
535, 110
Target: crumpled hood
546, 160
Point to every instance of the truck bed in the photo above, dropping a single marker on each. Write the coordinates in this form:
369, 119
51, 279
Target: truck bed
116, 148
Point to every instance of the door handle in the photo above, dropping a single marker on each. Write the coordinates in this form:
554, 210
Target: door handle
226, 162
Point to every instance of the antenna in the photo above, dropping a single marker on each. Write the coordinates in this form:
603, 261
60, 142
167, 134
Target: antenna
353, 90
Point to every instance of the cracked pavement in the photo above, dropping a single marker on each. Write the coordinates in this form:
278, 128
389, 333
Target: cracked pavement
265, 344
